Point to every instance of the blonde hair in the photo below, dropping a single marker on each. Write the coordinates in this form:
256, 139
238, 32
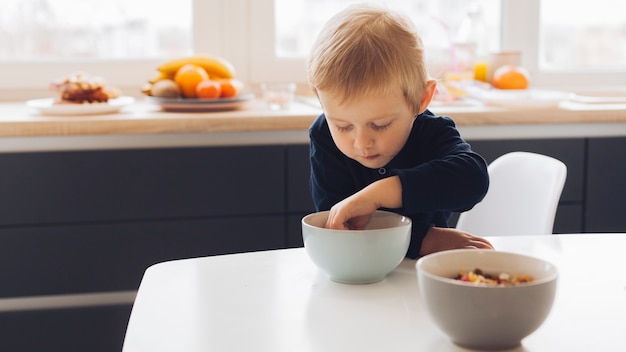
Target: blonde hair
366, 50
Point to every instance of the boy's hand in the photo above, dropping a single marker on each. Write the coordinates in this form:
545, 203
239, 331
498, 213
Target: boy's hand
440, 239
354, 212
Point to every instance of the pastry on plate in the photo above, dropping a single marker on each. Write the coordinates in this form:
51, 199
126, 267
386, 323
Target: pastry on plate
81, 88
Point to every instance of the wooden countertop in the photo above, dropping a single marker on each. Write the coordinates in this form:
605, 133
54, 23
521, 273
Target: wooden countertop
18, 120
144, 118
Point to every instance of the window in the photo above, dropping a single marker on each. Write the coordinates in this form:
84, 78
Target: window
267, 40
579, 41
547, 32
573, 42
93, 29
280, 47
572, 51
117, 39
443, 25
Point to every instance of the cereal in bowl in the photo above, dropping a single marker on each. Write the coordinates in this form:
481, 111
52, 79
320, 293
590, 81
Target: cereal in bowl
478, 277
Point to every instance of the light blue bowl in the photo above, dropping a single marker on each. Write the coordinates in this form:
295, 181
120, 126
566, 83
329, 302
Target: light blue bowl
357, 256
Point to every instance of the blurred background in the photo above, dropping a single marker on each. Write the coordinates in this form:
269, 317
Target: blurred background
267, 40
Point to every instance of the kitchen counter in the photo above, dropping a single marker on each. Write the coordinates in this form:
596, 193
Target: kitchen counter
143, 124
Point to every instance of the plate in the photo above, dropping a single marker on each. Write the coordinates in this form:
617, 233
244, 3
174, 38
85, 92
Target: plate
47, 106
599, 99
180, 104
526, 98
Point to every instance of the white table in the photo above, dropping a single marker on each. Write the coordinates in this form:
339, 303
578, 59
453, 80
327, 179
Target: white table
279, 301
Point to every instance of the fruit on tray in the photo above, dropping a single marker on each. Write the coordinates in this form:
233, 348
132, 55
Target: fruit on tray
230, 87
188, 77
165, 88
197, 76
510, 77
208, 89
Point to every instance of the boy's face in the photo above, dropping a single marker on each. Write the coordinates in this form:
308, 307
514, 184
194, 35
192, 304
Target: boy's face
371, 129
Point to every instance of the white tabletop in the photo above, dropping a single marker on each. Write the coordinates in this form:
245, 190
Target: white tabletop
279, 301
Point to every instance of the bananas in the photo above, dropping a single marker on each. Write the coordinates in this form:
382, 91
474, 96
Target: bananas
162, 83
215, 66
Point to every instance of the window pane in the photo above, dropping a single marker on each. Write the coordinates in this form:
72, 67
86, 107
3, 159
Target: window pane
94, 29
440, 23
587, 35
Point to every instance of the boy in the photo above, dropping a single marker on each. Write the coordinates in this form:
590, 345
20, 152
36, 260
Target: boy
376, 145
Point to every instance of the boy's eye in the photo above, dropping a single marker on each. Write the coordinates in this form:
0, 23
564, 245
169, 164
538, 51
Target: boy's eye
344, 128
380, 127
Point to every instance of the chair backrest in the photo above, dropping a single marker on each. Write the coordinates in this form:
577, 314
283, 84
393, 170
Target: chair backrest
523, 195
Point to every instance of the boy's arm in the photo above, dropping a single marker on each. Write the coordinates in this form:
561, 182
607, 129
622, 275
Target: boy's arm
330, 180
452, 178
355, 211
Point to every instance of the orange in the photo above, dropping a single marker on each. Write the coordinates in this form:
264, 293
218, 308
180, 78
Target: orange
510, 77
208, 89
188, 77
230, 87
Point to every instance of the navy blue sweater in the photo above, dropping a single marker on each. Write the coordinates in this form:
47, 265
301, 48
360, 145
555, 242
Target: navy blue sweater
438, 170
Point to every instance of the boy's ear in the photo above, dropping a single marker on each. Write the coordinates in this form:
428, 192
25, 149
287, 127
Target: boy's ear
429, 94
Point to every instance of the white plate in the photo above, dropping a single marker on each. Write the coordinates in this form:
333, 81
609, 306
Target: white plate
526, 98
181, 104
602, 99
47, 106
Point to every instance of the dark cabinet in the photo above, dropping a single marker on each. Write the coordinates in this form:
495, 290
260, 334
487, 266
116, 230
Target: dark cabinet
605, 206
130, 185
82, 258
93, 329
299, 201
95, 220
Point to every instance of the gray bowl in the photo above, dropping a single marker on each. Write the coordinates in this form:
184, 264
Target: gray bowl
486, 317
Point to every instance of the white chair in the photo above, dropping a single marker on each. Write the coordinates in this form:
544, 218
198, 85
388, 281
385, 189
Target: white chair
523, 195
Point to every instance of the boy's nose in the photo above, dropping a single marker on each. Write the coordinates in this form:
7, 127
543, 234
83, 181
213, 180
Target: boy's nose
363, 140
